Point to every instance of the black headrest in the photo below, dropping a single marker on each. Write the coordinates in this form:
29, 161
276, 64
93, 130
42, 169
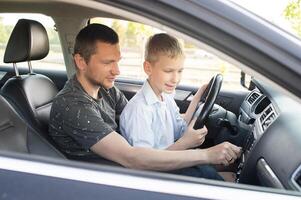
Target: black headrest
28, 41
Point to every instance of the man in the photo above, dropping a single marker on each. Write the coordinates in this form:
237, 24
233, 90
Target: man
82, 119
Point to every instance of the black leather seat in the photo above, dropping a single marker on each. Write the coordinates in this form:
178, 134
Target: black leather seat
31, 94
17, 136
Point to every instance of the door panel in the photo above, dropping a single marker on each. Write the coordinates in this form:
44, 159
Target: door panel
16, 185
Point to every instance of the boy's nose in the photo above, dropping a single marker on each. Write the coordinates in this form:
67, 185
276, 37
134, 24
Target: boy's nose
176, 78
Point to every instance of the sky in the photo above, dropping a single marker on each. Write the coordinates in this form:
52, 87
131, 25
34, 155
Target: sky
272, 10
266, 8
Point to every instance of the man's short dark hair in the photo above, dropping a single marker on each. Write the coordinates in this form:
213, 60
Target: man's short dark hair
85, 42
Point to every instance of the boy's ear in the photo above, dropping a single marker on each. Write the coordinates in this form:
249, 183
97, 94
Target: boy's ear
147, 68
80, 62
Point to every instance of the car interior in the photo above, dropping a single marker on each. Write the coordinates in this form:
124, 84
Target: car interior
31, 94
258, 118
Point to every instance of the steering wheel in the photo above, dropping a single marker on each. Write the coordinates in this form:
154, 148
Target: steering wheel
207, 101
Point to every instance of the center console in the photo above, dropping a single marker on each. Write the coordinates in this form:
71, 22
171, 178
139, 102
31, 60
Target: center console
258, 113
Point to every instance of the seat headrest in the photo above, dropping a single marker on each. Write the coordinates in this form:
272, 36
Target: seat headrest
28, 41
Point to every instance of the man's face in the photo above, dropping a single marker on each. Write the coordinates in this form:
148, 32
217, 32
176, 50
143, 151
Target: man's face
165, 74
102, 68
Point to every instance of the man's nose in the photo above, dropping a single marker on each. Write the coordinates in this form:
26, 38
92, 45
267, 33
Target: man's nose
115, 69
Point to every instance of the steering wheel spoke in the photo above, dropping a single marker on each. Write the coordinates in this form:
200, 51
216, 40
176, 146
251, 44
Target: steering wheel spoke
207, 100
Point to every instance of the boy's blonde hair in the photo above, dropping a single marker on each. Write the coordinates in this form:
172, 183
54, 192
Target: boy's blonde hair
162, 43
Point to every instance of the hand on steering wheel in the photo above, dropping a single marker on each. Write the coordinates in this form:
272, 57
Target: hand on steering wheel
207, 101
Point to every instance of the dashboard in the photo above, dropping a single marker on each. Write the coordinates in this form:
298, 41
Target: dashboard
271, 153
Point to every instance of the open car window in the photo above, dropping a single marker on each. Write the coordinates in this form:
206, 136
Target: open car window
199, 67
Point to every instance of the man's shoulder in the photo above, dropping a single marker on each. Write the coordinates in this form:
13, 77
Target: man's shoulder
69, 96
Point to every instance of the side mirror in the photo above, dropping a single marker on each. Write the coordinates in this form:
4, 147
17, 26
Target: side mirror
246, 81
243, 79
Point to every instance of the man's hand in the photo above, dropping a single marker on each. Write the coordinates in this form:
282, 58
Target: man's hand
193, 138
224, 153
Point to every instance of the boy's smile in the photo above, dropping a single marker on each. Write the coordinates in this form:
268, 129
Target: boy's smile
170, 86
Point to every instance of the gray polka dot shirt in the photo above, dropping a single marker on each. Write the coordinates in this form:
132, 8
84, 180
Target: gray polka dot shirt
78, 121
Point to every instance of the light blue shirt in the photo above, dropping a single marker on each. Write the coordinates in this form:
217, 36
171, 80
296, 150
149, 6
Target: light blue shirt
148, 122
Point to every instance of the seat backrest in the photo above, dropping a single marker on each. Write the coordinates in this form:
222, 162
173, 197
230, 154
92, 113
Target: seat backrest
17, 136
31, 94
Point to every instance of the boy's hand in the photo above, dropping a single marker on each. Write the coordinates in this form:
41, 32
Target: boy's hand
193, 138
201, 90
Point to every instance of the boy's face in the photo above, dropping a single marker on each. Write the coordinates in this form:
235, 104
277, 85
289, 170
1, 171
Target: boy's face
164, 74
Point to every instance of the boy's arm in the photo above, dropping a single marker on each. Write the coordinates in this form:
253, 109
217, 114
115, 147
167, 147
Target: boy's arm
193, 104
190, 139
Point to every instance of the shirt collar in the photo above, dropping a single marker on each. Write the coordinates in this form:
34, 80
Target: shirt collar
149, 94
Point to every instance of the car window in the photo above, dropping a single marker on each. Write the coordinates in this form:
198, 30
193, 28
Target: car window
53, 61
200, 65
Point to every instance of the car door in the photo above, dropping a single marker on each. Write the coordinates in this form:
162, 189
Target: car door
41, 178
222, 27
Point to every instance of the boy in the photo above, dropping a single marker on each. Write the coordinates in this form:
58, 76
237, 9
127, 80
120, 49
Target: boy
151, 118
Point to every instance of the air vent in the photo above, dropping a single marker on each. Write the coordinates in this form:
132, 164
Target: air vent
296, 178
253, 97
267, 117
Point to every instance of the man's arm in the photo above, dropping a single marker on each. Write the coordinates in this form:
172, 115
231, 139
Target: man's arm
114, 147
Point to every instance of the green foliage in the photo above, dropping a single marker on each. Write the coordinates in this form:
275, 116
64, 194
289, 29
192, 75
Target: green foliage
135, 34
131, 34
53, 36
121, 30
4, 32
292, 13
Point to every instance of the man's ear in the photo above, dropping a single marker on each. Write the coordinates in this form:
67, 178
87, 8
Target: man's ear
80, 62
147, 68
